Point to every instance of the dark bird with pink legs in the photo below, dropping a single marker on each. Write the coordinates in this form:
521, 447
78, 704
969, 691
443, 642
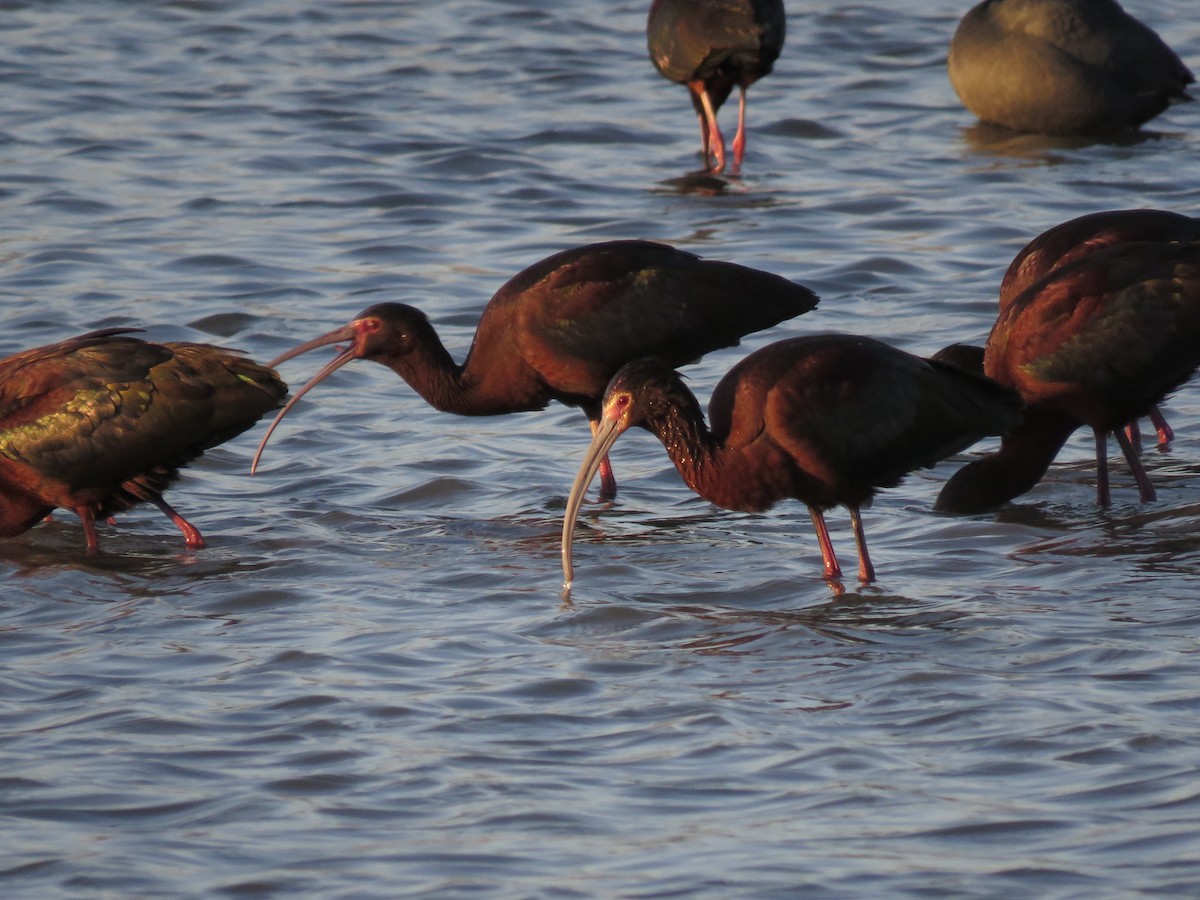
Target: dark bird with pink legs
827, 420
101, 422
560, 329
1098, 342
711, 47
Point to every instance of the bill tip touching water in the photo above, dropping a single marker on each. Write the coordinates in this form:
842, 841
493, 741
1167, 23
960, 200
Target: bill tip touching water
825, 419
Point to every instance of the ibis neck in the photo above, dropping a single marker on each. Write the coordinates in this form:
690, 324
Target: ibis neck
442, 383
1018, 465
697, 455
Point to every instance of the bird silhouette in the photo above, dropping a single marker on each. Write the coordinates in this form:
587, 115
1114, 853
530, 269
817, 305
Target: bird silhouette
1097, 342
1063, 66
711, 46
826, 419
100, 422
560, 329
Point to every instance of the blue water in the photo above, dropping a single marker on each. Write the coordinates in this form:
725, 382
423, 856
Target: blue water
369, 684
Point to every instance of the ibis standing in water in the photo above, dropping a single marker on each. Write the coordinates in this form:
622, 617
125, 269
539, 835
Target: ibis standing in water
1098, 342
1080, 236
560, 329
827, 419
1070, 241
103, 421
711, 47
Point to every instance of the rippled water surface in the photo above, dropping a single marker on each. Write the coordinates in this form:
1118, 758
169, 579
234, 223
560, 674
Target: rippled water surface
369, 684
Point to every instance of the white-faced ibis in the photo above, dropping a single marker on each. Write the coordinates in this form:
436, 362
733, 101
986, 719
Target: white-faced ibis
100, 422
560, 329
1097, 342
710, 46
1080, 236
826, 419
1072, 240
1062, 66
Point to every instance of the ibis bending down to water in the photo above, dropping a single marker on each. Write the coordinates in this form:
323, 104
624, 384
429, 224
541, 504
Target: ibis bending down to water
711, 46
1063, 66
100, 422
1097, 342
560, 329
827, 419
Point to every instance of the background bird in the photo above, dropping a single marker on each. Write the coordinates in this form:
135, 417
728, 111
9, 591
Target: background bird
560, 329
1097, 342
711, 46
100, 422
826, 419
1063, 66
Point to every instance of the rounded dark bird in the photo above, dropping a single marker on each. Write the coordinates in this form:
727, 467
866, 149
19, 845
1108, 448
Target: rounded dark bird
1097, 342
712, 46
1063, 67
1078, 237
827, 419
1070, 241
100, 422
560, 329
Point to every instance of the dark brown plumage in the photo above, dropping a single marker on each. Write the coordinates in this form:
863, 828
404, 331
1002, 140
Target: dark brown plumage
1070, 241
827, 419
1097, 342
560, 329
712, 46
1062, 66
103, 421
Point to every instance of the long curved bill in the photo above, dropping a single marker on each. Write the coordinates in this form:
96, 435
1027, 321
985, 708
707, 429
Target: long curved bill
606, 435
346, 333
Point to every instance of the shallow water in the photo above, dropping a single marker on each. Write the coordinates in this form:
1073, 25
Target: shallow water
369, 684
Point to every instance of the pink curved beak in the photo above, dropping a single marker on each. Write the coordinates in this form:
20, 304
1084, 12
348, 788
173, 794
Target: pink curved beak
337, 336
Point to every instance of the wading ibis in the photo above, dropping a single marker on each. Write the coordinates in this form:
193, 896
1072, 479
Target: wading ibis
1072, 240
100, 422
711, 46
826, 419
1097, 342
560, 329
1062, 66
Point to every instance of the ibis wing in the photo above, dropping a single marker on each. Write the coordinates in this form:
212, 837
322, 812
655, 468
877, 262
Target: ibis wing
640, 300
107, 410
688, 40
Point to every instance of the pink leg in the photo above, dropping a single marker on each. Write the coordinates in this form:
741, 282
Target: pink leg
715, 140
608, 481
866, 571
1165, 434
832, 569
1145, 488
192, 537
1134, 433
87, 518
739, 139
